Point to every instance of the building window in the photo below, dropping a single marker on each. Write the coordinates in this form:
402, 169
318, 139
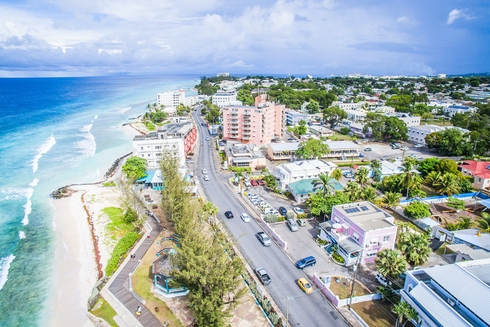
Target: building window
386, 238
141, 148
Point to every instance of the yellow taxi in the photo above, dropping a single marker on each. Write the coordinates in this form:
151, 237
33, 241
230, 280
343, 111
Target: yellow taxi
305, 285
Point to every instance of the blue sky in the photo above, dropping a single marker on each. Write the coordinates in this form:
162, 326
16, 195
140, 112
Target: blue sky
99, 37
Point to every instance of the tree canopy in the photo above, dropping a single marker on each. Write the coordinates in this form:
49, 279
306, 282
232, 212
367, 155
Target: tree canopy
334, 115
312, 148
134, 168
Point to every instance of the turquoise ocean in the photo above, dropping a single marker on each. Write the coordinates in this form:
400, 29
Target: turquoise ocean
54, 132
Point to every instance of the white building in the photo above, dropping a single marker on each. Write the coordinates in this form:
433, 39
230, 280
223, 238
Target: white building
299, 170
408, 119
417, 134
454, 295
151, 147
356, 115
452, 110
293, 117
224, 98
347, 106
171, 98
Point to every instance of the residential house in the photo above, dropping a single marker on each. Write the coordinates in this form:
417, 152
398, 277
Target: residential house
338, 149
359, 230
408, 119
183, 130
320, 130
356, 115
258, 124
454, 109
455, 295
479, 170
299, 170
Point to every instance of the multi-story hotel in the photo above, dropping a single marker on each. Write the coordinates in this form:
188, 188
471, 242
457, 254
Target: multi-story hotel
224, 98
171, 98
258, 125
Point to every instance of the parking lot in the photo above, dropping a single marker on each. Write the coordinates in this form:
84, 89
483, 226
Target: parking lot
381, 150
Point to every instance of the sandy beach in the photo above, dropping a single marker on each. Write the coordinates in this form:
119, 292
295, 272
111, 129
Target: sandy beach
75, 264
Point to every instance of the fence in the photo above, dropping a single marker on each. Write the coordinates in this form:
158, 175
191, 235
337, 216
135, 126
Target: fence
442, 198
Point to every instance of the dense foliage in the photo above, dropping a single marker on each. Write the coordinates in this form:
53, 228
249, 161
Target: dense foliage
120, 250
297, 93
134, 168
417, 210
311, 149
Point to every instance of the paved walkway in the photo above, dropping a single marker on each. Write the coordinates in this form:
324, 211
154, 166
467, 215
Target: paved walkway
116, 291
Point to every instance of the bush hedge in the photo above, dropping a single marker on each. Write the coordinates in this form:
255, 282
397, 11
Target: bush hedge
417, 210
122, 247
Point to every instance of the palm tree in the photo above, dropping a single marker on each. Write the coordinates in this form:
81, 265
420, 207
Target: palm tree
415, 247
447, 184
392, 199
369, 194
323, 182
362, 176
404, 310
464, 222
390, 262
336, 174
410, 178
387, 293
376, 167
484, 223
433, 177
353, 191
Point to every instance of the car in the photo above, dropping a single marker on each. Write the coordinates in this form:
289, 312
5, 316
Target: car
301, 222
298, 210
283, 211
252, 196
305, 285
245, 217
419, 145
384, 158
206, 177
263, 276
254, 182
247, 183
368, 149
291, 139
404, 148
229, 214
204, 171
306, 262
264, 238
189, 161
361, 155
261, 182
207, 138
203, 124
347, 174
293, 227
382, 280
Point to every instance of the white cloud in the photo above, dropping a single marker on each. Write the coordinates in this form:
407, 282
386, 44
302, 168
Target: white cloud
456, 14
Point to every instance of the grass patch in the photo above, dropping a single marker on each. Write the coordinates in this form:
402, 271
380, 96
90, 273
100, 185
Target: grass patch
117, 228
142, 284
342, 288
109, 184
375, 313
103, 310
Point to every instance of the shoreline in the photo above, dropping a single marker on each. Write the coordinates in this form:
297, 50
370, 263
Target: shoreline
82, 248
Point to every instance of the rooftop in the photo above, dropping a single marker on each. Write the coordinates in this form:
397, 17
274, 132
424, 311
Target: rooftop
333, 145
306, 186
307, 164
478, 168
366, 215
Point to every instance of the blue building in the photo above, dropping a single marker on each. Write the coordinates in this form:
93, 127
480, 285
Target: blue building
293, 117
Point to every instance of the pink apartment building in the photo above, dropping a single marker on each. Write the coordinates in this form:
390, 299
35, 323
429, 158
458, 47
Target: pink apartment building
257, 125
359, 231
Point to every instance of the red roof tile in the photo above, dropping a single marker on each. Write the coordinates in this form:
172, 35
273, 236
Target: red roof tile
477, 168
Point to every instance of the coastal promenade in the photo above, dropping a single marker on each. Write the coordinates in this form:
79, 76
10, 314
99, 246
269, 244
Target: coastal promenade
117, 293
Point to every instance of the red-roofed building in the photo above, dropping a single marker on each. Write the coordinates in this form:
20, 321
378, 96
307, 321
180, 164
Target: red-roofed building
479, 170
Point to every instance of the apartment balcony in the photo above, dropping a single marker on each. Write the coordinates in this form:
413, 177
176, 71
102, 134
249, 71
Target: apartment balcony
234, 121
246, 124
245, 128
246, 134
246, 137
234, 136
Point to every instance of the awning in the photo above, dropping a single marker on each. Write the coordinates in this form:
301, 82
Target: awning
349, 245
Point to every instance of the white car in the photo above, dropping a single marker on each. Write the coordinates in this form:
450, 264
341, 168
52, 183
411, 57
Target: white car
245, 217
206, 177
298, 210
204, 171
382, 280
418, 146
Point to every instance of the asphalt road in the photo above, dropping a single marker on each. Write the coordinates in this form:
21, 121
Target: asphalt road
303, 310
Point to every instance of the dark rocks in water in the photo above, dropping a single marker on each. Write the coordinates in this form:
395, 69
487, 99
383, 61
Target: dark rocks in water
62, 192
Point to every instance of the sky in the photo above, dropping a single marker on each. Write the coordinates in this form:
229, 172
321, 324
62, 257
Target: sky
316, 37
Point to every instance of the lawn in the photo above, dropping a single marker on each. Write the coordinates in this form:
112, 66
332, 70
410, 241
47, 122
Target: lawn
375, 313
103, 310
343, 288
142, 284
116, 228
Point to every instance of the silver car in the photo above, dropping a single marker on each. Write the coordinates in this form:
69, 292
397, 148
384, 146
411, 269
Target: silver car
293, 226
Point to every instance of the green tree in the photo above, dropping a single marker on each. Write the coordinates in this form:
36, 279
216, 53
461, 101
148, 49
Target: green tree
313, 107
320, 205
301, 129
404, 311
426, 116
134, 168
334, 115
362, 176
448, 184
446, 165
484, 223
312, 148
417, 210
395, 129
323, 183
337, 174
401, 103
410, 180
270, 181
353, 191
415, 247
392, 199
427, 165
376, 166
174, 194
369, 194
390, 263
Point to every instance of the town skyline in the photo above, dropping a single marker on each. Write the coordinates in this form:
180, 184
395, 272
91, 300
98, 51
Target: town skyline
66, 38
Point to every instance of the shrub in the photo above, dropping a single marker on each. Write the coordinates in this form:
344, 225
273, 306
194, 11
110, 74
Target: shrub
417, 210
270, 218
338, 258
109, 184
281, 218
302, 215
290, 214
122, 247
457, 204
130, 216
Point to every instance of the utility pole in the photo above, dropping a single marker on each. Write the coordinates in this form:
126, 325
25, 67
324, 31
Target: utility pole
354, 279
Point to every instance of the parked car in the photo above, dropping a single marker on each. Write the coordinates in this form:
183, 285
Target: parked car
247, 183
263, 238
207, 138
189, 161
347, 174
204, 171
261, 182
305, 285
306, 262
263, 276
252, 196
301, 222
245, 217
293, 227
283, 211
382, 280
419, 145
229, 214
368, 149
254, 182
206, 178
361, 155
298, 210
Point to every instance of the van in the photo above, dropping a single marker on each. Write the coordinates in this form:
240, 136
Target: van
382, 280
306, 262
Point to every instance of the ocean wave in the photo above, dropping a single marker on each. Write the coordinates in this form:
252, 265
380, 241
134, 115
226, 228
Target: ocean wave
14, 193
27, 207
95, 117
4, 269
43, 149
34, 182
88, 144
123, 110
22, 235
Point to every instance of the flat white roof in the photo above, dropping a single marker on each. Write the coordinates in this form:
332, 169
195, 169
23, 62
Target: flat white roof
333, 145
